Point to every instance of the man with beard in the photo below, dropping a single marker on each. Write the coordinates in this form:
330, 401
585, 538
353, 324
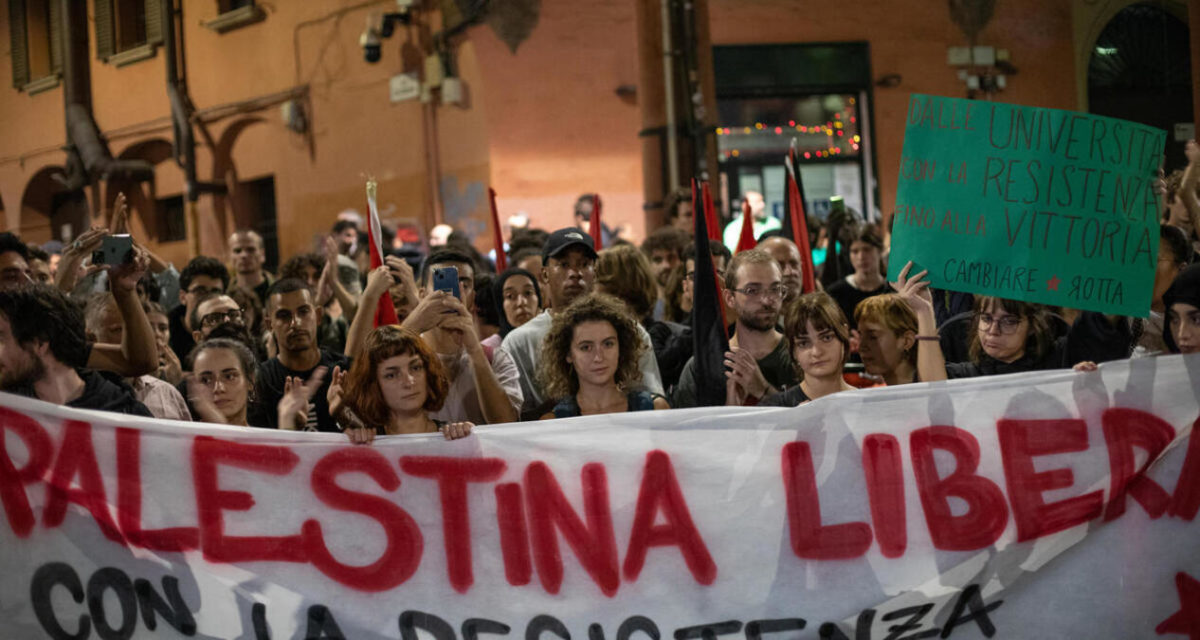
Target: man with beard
787, 256
294, 316
568, 271
758, 363
247, 255
43, 348
664, 248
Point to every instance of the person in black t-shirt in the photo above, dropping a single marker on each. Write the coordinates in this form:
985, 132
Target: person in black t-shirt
294, 316
43, 347
867, 280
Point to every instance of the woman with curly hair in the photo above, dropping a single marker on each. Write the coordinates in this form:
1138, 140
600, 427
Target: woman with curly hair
590, 358
391, 388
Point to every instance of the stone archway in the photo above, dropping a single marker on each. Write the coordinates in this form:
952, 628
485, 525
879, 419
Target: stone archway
143, 196
50, 211
1139, 69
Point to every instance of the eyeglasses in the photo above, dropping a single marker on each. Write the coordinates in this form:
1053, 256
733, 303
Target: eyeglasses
217, 317
776, 291
1008, 324
200, 290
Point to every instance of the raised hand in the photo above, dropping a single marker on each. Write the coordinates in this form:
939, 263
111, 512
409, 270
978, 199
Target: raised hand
334, 394
379, 280
169, 367
914, 290
203, 404
125, 276
293, 406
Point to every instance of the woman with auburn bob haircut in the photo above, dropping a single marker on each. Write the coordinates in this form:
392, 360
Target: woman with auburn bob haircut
390, 389
590, 358
888, 338
818, 336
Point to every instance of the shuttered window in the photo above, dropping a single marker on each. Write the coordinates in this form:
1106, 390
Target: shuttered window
127, 30
35, 31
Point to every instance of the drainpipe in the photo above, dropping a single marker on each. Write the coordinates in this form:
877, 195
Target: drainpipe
668, 55
88, 156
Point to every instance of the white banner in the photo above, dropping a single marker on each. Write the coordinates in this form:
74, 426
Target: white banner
1052, 505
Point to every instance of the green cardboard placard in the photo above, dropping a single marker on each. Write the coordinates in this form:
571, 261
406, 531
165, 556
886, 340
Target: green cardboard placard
1042, 205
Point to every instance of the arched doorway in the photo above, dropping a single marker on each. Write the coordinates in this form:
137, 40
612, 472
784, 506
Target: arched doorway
49, 211
1140, 70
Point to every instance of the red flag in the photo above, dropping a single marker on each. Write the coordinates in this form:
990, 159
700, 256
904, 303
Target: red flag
799, 222
385, 313
746, 239
594, 229
497, 235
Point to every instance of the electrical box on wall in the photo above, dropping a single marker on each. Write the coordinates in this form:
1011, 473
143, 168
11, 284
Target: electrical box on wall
404, 86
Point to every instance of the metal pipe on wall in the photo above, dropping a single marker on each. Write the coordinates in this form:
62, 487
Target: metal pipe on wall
668, 56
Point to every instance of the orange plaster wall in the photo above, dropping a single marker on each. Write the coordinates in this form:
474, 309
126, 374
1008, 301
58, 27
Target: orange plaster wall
910, 38
556, 127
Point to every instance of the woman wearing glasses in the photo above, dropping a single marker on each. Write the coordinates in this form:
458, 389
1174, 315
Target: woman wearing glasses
1011, 336
590, 360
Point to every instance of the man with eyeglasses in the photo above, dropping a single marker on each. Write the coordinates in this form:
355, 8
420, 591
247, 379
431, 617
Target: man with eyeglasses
758, 363
294, 315
201, 276
211, 311
568, 272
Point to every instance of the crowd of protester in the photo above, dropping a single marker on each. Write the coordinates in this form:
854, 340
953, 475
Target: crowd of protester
565, 331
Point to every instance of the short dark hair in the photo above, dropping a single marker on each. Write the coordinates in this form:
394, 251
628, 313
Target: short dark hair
716, 249
10, 242
444, 256
43, 313
287, 285
526, 252
487, 307
666, 239
194, 317
295, 265
342, 225
527, 238
203, 266
36, 253
1177, 241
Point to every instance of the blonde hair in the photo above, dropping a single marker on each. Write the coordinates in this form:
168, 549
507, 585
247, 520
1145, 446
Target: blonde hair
625, 273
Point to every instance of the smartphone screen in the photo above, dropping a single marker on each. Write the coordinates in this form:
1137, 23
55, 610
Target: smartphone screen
446, 279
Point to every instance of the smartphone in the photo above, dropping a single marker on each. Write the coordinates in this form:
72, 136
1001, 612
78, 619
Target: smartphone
116, 249
446, 279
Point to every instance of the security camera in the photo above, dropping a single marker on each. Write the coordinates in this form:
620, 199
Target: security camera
378, 29
371, 43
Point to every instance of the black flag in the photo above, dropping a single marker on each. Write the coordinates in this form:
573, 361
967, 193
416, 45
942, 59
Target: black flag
710, 338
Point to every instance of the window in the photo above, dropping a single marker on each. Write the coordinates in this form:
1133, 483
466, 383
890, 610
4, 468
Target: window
35, 31
815, 93
232, 14
127, 30
172, 226
225, 6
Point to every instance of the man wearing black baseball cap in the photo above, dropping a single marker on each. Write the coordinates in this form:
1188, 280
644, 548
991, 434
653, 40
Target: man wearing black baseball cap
568, 271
